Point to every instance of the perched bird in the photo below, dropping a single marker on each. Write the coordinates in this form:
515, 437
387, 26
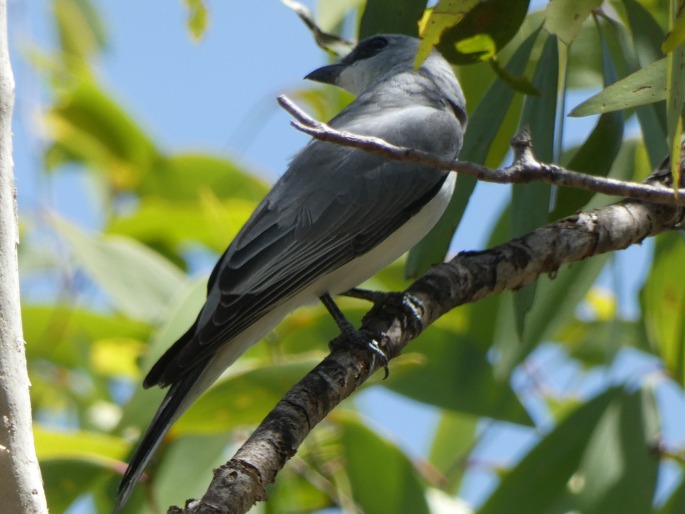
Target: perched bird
336, 217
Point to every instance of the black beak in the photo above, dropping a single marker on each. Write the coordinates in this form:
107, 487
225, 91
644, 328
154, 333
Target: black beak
327, 74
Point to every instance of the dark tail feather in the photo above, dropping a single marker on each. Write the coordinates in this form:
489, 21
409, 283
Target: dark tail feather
164, 418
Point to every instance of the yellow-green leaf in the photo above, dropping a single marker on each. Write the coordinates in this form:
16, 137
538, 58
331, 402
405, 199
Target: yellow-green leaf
197, 18
445, 15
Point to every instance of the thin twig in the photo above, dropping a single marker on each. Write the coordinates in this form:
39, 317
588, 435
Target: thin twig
526, 168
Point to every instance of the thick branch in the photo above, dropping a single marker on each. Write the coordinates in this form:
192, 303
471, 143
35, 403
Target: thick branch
468, 277
526, 167
21, 486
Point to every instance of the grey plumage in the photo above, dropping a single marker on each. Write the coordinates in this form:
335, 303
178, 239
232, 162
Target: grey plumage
336, 217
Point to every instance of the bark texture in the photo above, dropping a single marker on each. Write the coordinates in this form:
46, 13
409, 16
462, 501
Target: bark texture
21, 486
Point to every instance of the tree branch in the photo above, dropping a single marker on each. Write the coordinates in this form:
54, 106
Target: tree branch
526, 167
21, 486
468, 277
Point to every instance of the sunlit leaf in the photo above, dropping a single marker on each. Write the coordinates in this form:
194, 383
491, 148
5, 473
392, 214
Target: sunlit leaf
483, 31
197, 18
79, 444
189, 176
116, 357
90, 128
676, 34
436, 20
56, 332
81, 31
208, 222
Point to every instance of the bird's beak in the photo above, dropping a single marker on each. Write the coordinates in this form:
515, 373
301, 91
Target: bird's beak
327, 74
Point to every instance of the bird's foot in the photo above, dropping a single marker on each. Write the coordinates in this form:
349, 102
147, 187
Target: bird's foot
353, 336
395, 302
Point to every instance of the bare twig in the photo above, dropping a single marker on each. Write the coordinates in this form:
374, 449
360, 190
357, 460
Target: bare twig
468, 277
526, 167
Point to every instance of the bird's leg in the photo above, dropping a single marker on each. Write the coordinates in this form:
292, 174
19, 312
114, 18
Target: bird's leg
353, 335
400, 301
364, 294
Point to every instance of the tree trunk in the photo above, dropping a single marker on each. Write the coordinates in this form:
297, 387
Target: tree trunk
21, 486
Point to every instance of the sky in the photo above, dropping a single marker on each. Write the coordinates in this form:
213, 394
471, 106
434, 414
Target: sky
218, 95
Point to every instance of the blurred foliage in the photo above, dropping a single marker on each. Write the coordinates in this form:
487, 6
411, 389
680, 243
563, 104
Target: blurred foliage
591, 454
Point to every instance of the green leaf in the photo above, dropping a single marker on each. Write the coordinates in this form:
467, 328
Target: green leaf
58, 332
182, 309
645, 86
663, 304
391, 17
80, 29
482, 130
646, 37
90, 128
380, 475
457, 376
436, 20
138, 280
484, 31
596, 343
676, 34
647, 34
596, 461
194, 176
173, 484
530, 202
675, 87
65, 480
197, 18
454, 439
173, 224
79, 445
243, 399
675, 504
564, 18
597, 154
556, 301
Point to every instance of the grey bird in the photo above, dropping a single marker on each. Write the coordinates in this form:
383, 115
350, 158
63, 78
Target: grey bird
336, 217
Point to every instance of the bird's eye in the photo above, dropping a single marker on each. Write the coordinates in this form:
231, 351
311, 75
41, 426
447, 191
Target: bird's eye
378, 43
368, 48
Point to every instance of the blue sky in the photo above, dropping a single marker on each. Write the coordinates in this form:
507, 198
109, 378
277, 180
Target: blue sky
218, 95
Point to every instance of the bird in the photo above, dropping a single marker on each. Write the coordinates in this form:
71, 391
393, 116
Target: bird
336, 217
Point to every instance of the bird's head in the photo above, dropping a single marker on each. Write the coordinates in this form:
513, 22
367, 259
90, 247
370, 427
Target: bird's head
368, 62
